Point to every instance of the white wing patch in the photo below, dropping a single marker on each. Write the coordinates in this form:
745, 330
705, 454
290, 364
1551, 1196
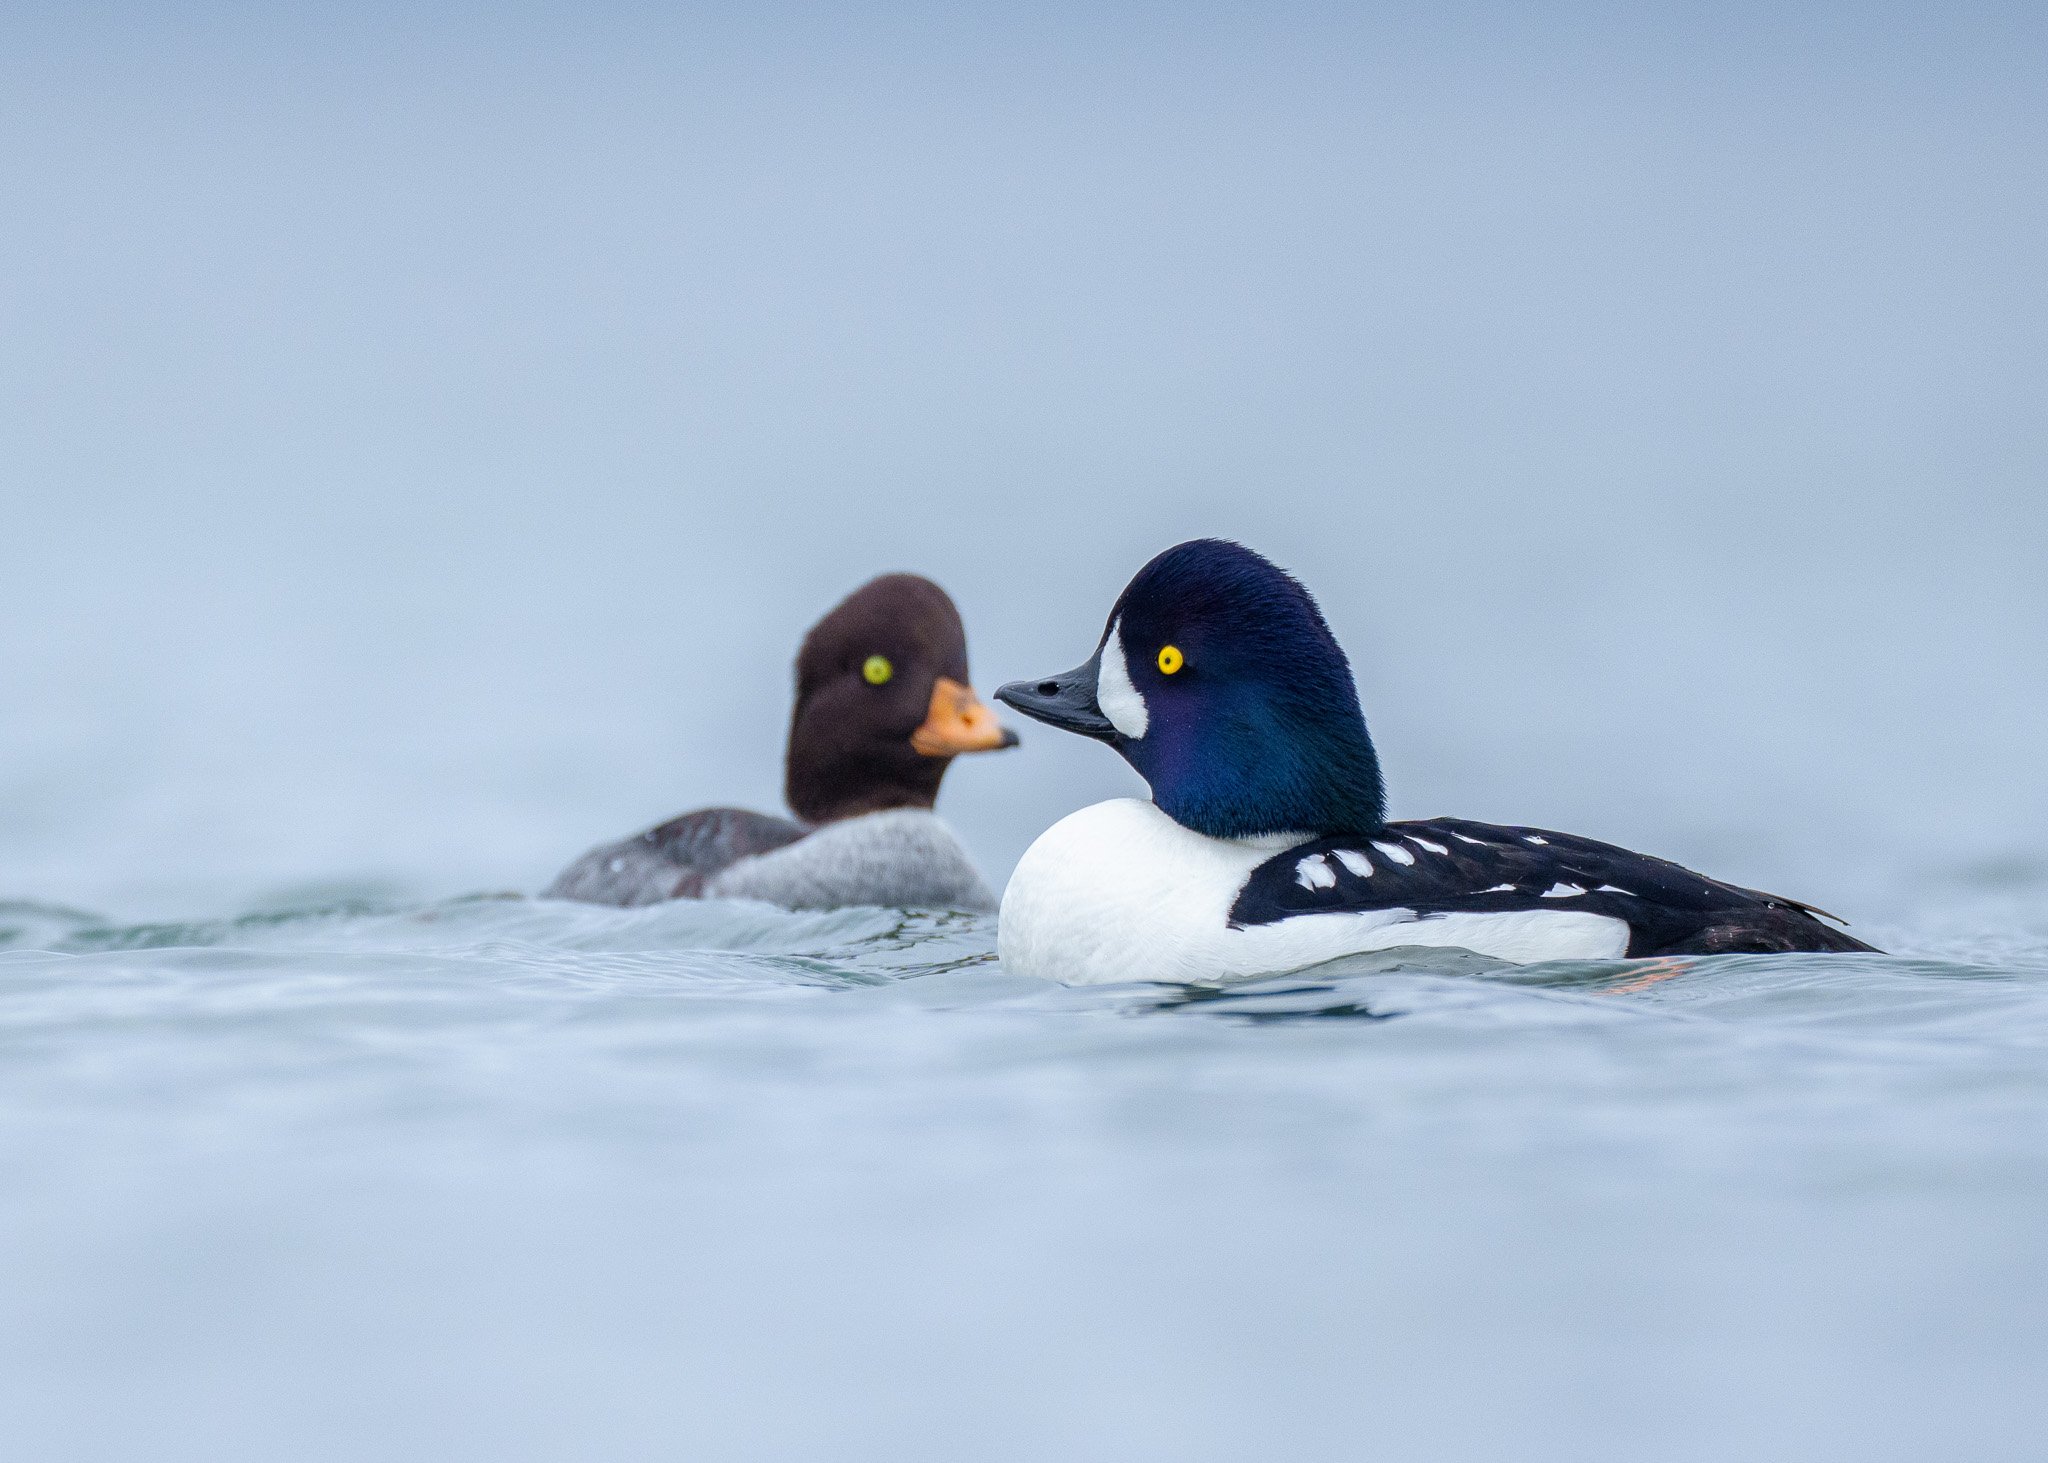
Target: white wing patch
1562, 891
1355, 861
1538, 840
1421, 842
1395, 852
1120, 701
1314, 873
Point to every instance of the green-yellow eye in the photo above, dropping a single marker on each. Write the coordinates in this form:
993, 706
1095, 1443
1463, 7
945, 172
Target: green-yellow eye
877, 670
1170, 659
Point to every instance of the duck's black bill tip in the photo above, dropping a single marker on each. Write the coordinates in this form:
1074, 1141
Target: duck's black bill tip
1066, 701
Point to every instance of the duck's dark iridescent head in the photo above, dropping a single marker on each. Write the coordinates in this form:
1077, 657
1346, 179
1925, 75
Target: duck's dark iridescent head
1218, 680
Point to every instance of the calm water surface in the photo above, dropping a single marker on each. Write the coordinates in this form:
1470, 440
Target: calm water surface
506, 1178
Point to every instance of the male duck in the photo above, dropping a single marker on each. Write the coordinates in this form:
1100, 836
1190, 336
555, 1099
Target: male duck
883, 705
1266, 847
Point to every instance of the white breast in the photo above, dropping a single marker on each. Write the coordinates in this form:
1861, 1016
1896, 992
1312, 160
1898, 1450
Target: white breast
1121, 892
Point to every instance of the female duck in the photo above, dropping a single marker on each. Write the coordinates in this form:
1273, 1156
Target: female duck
883, 705
1266, 846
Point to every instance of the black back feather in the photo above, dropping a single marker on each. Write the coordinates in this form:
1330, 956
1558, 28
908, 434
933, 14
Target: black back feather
1458, 866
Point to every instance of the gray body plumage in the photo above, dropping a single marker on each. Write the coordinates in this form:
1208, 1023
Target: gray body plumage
905, 858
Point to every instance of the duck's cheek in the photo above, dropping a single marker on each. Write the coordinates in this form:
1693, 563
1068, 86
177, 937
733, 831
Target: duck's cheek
1120, 701
1165, 758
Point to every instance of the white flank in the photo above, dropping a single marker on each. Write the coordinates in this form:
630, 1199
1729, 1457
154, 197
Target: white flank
1121, 892
1114, 693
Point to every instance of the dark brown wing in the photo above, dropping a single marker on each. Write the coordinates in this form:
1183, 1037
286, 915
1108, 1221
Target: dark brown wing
672, 861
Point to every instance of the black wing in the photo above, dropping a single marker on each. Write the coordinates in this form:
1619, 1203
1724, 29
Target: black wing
673, 860
1441, 865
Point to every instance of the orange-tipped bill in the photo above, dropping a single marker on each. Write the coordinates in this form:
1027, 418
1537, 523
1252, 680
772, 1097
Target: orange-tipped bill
959, 722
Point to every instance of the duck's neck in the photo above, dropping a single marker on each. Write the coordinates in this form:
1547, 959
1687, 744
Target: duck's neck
825, 790
1252, 783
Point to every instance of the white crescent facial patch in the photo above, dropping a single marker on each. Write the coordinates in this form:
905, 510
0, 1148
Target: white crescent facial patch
1114, 693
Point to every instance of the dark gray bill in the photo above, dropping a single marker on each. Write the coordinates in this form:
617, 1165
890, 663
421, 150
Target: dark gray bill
1066, 700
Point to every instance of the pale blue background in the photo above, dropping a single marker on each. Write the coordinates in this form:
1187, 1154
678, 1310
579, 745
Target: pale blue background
426, 438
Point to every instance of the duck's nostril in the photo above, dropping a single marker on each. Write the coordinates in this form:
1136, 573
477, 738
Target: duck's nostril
1048, 688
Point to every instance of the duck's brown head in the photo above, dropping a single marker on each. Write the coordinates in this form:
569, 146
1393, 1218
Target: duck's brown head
883, 703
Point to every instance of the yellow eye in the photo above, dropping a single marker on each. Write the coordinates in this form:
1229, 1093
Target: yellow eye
877, 670
1170, 659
